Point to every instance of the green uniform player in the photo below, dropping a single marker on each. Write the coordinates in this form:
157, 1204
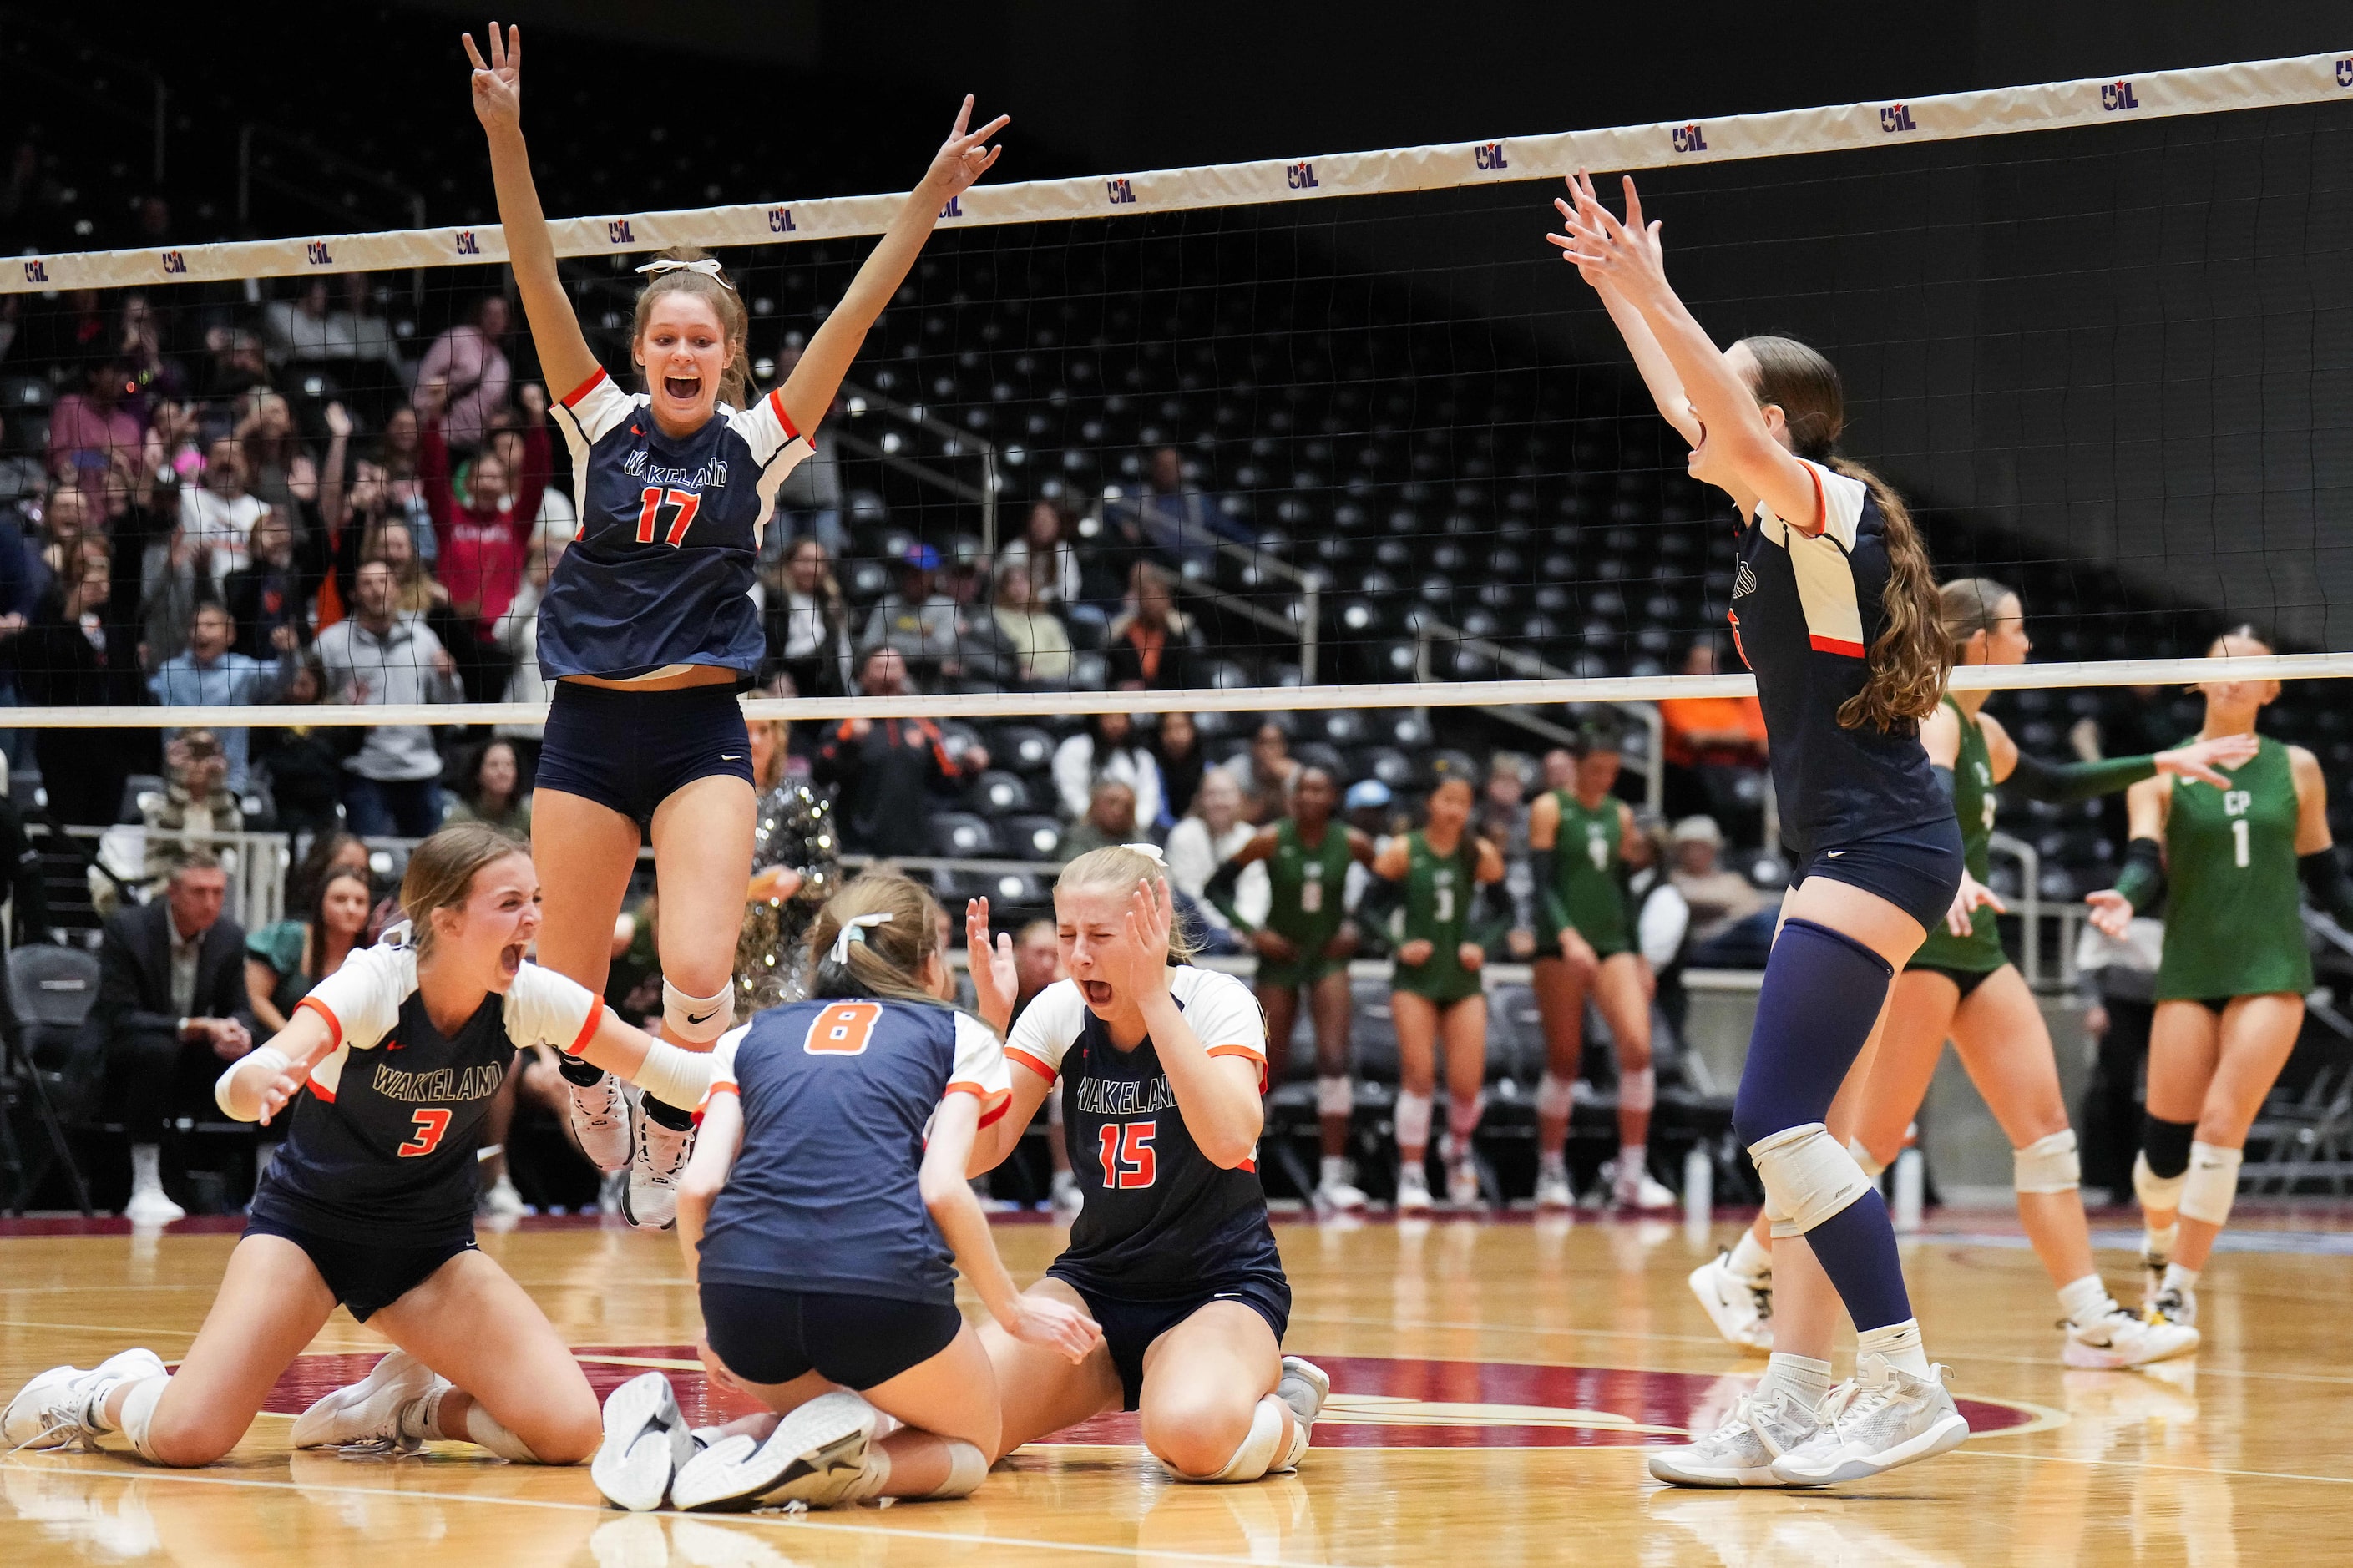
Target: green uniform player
1308, 908
1439, 889
1973, 803
1584, 894
2233, 925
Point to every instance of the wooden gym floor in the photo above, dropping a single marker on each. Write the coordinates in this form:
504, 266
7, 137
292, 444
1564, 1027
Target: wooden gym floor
1493, 1384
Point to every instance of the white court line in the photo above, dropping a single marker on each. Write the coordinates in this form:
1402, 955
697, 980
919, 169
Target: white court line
2139, 1464
794, 1521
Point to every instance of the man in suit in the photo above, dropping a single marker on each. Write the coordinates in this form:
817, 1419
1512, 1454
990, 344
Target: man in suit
171, 1014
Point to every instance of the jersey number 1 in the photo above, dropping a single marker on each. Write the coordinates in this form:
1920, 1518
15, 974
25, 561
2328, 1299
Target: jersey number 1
1126, 1155
430, 1125
649, 515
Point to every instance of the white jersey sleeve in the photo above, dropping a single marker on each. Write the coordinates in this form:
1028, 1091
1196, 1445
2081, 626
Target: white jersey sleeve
1224, 1015
591, 412
776, 445
723, 1067
1048, 1028
1839, 500
980, 1068
544, 1008
361, 1001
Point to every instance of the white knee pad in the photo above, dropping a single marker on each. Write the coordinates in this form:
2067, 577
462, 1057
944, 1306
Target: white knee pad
1463, 1115
1863, 1157
968, 1468
1638, 1088
698, 1018
2211, 1183
1555, 1097
1256, 1453
1806, 1177
1336, 1096
2047, 1165
1412, 1121
2156, 1191
139, 1414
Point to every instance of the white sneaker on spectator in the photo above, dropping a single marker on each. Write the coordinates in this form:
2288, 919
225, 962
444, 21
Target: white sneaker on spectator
1462, 1184
1413, 1189
1553, 1191
1640, 1191
1340, 1197
1065, 1195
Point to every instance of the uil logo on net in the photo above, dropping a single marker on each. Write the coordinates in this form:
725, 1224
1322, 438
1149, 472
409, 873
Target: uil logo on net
1300, 176
2117, 95
1490, 155
318, 255
780, 221
1120, 192
1688, 139
466, 243
2344, 73
1896, 118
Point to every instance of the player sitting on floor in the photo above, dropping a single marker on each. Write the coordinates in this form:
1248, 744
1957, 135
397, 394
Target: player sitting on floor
390, 1066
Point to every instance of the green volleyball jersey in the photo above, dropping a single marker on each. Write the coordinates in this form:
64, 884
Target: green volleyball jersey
1437, 893
2233, 925
1586, 892
1973, 803
1307, 884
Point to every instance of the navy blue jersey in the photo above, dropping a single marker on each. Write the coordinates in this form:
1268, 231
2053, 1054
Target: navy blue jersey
660, 576
825, 1195
1804, 610
379, 1146
1159, 1220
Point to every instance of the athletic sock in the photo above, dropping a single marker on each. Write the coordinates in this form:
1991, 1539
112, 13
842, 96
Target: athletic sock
2086, 1299
2157, 1243
1552, 1164
1633, 1164
1750, 1260
1899, 1343
1806, 1379
2180, 1278
1336, 1169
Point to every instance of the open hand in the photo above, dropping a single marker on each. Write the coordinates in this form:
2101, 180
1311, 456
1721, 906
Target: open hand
1626, 257
1053, 1325
1151, 915
498, 83
283, 1085
996, 980
1274, 944
2112, 912
2200, 759
962, 160
1471, 956
1416, 953
1973, 896
339, 422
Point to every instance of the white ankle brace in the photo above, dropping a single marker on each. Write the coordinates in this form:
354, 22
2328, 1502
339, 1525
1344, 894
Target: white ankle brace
1638, 1088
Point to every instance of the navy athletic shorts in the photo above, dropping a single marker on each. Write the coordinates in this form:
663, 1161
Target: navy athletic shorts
632, 751
765, 1335
1129, 1327
366, 1276
1917, 869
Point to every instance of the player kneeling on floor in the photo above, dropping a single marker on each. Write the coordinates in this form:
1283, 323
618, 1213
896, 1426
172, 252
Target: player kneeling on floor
370, 1202
1161, 1067
826, 1201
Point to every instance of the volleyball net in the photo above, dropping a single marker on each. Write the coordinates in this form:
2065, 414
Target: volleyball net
1331, 435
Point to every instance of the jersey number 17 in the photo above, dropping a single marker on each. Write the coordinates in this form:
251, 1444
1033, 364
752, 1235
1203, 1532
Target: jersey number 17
685, 502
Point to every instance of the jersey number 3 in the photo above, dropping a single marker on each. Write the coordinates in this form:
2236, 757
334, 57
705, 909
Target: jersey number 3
649, 515
842, 1030
1126, 1155
430, 1125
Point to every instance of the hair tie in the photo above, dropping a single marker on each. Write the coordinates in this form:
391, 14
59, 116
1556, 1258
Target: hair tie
854, 930
1150, 852
708, 267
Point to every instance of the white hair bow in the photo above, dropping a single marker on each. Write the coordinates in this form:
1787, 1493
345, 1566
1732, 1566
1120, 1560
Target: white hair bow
1149, 851
708, 267
854, 930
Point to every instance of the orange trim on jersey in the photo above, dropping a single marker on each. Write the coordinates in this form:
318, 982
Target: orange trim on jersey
1257, 1056
585, 388
989, 1117
1821, 507
334, 1025
718, 1087
320, 1090
587, 1031
1821, 644
777, 402
1032, 1063
1249, 1165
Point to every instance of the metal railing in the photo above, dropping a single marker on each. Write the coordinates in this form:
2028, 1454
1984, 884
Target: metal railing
858, 402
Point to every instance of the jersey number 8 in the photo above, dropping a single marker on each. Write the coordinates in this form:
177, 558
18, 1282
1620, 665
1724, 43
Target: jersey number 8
649, 515
842, 1030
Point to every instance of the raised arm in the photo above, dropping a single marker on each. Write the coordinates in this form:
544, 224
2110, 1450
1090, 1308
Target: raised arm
563, 356
1650, 359
1217, 1082
810, 390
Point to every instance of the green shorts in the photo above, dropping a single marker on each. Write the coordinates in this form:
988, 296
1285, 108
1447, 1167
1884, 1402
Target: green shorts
1294, 974
1445, 986
1600, 950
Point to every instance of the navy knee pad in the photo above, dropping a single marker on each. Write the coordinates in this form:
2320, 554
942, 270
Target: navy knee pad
2166, 1145
1821, 996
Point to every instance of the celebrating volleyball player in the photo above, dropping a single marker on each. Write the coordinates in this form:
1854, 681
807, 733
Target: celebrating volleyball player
1836, 612
2231, 980
1585, 946
390, 1066
649, 626
818, 1215
1304, 944
1162, 1066
1437, 873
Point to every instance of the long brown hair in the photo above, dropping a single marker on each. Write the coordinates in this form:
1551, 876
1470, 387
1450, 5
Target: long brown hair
887, 962
1967, 605
442, 874
725, 303
314, 945
1909, 661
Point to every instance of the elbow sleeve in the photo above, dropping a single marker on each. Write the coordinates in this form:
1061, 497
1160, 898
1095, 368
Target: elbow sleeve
2142, 881
674, 1076
2066, 783
2325, 880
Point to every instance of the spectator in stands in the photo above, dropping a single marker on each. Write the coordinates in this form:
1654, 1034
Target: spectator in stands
176, 441
1176, 747
297, 329
360, 325
808, 503
1147, 648
1732, 924
1177, 519
884, 771
195, 806
1662, 916
1265, 773
397, 452
237, 364
1560, 768
1045, 552
1210, 835
22, 477
89, 428
517, 631
212, 673
64, 516
490, 792
509, 439
1038, 646
1110, 819
416, 591
73, 654
1715, 750
330, 853
807, 621
484, 536
265, 597
171, 1009
285, 959
467, 363
383, 655
276, 467
216, 517
304, 762
157, 377
1110, 747
916, 618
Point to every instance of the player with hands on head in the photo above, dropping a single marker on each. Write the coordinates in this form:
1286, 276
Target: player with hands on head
1161, 1067
826, 1203
1304, 944
1835, 610
389, 1067
649, 625
2234, 970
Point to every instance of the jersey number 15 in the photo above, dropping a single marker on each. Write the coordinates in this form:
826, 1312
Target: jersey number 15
1126, 1155
654, 500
